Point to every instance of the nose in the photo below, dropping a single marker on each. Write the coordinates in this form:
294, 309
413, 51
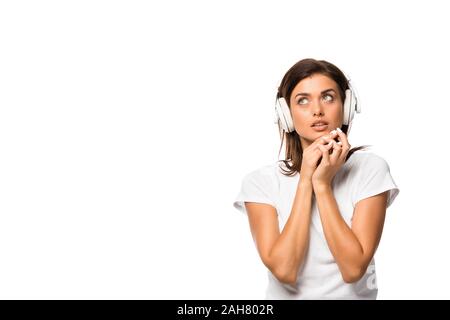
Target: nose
317, 108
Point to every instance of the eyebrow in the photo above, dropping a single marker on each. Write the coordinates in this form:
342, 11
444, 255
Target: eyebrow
307, 94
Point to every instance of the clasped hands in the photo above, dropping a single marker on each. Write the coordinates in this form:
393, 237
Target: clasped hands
331, 155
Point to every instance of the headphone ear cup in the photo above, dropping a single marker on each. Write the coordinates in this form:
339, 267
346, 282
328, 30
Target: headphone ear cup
349, 107
284, 114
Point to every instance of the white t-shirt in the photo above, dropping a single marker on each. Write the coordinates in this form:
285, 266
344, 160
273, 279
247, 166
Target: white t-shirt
363, 175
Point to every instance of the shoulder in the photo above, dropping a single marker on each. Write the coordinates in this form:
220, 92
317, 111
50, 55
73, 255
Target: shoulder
368, 162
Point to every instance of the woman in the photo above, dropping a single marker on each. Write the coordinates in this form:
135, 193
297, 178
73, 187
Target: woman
317, 217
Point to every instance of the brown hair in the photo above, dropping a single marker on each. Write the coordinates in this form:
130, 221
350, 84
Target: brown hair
303, 69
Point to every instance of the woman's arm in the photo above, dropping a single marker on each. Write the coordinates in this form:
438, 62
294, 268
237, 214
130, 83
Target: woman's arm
353, 248
283, 253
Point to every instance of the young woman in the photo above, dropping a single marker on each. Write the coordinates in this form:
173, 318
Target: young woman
317, 217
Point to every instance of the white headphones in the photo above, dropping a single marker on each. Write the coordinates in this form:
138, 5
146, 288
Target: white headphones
351, 105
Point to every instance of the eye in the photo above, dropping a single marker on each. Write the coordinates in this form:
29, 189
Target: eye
302, 101
328, 97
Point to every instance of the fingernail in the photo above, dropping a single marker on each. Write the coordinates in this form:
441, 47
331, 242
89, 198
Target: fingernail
339, 142
333, 132
339, 129
330, 143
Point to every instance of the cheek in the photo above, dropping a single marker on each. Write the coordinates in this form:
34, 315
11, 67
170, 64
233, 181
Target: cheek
336, 113
299, 116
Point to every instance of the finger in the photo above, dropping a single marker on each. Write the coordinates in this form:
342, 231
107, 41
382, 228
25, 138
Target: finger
332, 134
315, 143
319, 141
325, 139
342, 137
345, 144
336, 152
314, 149
325, 153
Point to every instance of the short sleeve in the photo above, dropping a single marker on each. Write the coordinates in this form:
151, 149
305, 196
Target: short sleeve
375, 178
257, 186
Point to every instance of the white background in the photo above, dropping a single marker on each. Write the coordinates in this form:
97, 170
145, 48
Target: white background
127, 126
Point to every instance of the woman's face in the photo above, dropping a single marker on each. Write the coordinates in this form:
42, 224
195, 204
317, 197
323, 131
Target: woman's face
315, 98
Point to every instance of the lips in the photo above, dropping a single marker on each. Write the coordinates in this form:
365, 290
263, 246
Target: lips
320, 127
319, 124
